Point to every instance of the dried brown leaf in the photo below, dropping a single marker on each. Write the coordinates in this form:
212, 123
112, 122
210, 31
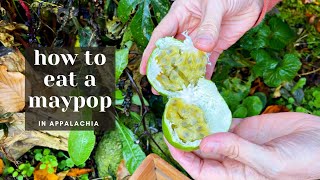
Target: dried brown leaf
42, 174
1, 166
74, 172
275, 109
12, 90
15, 62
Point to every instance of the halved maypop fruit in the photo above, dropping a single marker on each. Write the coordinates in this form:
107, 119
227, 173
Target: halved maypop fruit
195, 108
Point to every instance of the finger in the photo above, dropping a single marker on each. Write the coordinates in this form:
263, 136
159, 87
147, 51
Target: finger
212, 156
235, 123
210, 67
167, 27
234, 147
189, 161
154, 91
208, 32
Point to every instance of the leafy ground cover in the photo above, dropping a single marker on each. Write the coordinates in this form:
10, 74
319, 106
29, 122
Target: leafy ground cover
275, 67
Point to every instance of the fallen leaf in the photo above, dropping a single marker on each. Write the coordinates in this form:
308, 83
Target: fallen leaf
14, 61
12, 90
122, 172
62, 174
75, 172
317, 25
6, 39
275, 109
19, 141
259, 86
42, 174
277, 92
1, 166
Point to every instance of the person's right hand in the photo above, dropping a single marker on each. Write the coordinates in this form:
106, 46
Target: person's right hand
214, 25
270, 146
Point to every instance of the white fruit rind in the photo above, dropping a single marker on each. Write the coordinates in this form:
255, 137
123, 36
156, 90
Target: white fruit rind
206, 96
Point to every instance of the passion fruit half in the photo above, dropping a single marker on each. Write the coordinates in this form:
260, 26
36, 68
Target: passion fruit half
195, 108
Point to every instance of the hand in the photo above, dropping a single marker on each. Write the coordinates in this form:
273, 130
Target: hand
214, 25
271, 146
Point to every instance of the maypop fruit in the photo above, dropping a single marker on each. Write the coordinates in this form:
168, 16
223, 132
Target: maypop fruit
195, 108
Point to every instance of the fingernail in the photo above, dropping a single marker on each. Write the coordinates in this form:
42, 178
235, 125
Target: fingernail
210, 147
204, 39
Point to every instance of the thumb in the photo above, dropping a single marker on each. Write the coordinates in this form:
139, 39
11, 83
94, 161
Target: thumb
237, 148
209, 29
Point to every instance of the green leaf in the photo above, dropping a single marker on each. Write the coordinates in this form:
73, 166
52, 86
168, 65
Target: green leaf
241, 112
253, 105
10, 170
50, 170
43, 166
132, 152
234, 91
21, 166
262, 97
30, 171
20, 177
142, 25
299, 84
281, 35
80, 145
46, 151
263, 62
38, 157
284, 71
160, 8
125, 8
256, 38
62, 164
15, 174
121, 57
69, 162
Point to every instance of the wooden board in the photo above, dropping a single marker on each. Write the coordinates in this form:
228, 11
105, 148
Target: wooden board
155, 168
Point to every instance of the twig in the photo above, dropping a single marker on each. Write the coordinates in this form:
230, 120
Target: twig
311, 72
143, 112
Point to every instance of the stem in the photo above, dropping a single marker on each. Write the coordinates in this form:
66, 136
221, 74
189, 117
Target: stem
308, 73
144, 114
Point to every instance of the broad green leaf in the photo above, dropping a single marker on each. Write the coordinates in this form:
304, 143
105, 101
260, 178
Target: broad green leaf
234, 59
132, 152
284, 71
121, 57
234, 91
281, 34
263, 61
80, 145
142, 25
241, 112
262, 97
253, 105
160, 8
256, 38
125, 8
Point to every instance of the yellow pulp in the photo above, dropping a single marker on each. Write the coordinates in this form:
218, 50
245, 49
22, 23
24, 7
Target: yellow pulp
188, 120
180, 69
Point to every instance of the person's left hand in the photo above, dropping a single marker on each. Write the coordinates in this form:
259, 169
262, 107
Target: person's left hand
271, 146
